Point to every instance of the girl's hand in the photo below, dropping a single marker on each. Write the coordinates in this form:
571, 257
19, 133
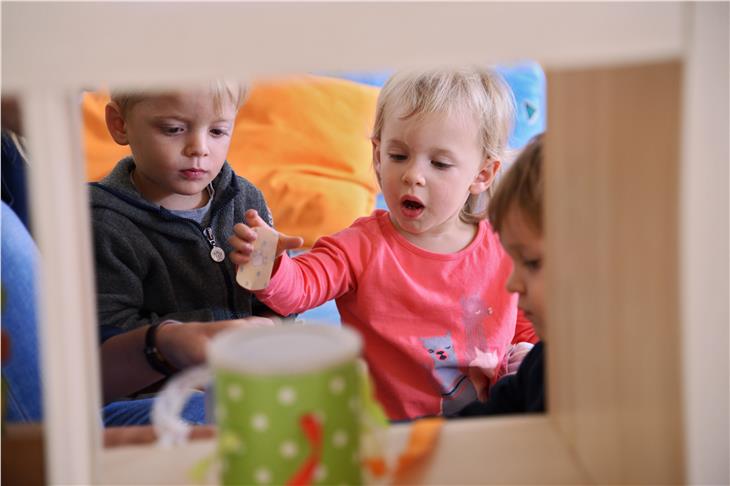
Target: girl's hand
244, 236
184, 344
515, 355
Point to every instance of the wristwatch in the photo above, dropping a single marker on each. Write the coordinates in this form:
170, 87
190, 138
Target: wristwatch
154, 357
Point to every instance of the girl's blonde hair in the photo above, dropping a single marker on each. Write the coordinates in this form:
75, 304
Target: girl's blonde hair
477, 90
221, 90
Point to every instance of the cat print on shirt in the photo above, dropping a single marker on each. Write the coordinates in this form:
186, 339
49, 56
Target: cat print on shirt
456, 388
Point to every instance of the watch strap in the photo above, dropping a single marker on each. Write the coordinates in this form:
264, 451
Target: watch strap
154, 357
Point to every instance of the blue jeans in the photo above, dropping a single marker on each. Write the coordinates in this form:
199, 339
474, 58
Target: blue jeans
137, 412
20, 370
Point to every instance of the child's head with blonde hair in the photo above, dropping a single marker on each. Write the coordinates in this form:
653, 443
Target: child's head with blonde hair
479, 91
470, 112
223, 91
179, 139
466, 91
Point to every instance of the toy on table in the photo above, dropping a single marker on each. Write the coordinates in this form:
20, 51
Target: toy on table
255, 275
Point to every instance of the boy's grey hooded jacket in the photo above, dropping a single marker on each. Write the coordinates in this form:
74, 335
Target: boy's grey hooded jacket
152, 265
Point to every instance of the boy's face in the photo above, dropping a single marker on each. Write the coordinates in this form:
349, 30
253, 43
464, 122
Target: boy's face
524, 244
427, 166
179, 142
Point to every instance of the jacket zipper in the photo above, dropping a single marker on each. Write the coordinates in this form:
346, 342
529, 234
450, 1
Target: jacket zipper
216, 252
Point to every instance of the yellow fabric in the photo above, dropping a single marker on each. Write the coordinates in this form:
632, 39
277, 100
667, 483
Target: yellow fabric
304, 141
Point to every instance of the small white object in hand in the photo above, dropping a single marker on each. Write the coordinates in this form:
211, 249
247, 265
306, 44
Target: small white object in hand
255, 274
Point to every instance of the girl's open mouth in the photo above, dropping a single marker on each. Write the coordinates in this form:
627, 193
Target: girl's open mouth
411, 207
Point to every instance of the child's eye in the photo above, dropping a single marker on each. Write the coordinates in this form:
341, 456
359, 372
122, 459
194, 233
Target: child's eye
440, 165
171, 129
397, 157
218, 132
533, 265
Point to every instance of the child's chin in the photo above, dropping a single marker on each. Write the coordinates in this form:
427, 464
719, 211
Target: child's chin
406, 225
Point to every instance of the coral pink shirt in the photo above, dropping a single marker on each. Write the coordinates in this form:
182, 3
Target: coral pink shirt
425, 318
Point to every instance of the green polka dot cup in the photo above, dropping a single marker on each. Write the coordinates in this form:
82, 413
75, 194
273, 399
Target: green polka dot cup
287, 405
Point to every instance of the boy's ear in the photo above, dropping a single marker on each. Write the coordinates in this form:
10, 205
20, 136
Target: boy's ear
485, 176
115, 123
376, 155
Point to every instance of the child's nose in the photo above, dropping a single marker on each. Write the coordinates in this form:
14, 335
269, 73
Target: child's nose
413, 175
197, 146
514, 284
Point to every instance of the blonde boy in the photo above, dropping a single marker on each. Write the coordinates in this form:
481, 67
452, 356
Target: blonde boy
161, 221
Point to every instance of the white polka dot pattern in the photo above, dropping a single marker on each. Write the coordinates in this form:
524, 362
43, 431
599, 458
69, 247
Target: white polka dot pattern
287, 395
268, 426
337, 385
339, 439
262, 476
289, 449
235, 392
260, 422
320, 474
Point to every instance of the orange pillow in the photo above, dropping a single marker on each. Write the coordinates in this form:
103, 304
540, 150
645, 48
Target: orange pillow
303, 140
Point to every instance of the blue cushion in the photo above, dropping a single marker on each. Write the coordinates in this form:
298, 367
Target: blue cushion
527, 81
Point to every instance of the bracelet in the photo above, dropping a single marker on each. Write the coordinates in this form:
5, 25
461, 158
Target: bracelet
154, 357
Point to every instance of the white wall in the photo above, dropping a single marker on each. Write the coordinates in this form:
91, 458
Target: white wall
704, 246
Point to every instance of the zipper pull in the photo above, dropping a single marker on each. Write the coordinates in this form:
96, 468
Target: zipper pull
216, 252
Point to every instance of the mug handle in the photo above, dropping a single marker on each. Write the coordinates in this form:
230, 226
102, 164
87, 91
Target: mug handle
167, 406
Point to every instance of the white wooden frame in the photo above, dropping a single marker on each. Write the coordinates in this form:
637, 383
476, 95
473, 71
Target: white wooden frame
49, 50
